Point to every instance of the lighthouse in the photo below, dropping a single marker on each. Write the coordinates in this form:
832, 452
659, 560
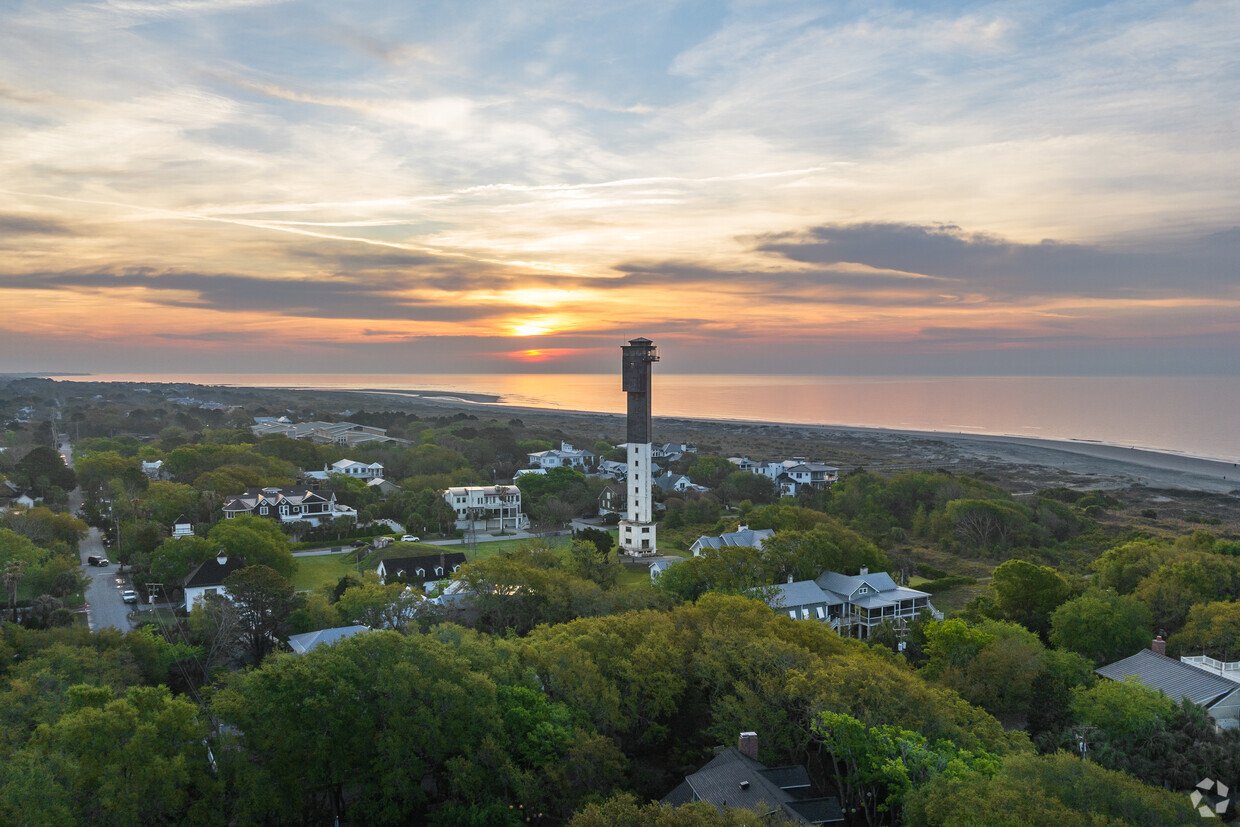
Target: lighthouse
637, 536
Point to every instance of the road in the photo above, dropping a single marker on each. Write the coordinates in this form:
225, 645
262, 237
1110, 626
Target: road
105, 609
103, 595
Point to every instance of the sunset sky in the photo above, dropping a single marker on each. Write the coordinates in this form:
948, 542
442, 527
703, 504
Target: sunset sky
840, 188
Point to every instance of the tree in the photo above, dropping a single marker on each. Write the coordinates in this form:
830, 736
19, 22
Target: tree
1028, 593
1212, 629
1191, 577
260, 541
1122, 710
1122, 567
379, 606
12, 576
710, 470
1046, 791
264, 601
624, 810
42, 470
876, 767
986, 525
1102, 625
804, 555
140, 759
174, 558
742, 485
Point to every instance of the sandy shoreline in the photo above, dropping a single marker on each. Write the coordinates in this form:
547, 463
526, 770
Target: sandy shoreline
1138, 466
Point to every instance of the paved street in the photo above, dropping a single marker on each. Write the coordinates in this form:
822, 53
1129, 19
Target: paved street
104, 593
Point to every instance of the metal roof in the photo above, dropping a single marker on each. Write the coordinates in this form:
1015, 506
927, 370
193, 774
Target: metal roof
1174, 679
801, 593
305, 642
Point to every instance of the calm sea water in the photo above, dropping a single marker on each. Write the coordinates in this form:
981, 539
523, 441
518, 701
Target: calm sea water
1199, 416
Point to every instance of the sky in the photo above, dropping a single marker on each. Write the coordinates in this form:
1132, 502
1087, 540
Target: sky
1010, 188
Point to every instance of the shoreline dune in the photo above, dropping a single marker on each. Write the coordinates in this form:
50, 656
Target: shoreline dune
1144, 466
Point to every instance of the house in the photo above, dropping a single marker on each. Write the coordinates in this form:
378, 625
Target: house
791, 475
295, 505
182, 527
743, 537
347, 434
488, 507
611, 500
853, 606
323, 637
671, 451
671, 483
153, 470
384, 487
1179, 680
566, 456
525, 472
618, 471
356, 470
663, 564
25, 500
208, 579
735, 778
424, 569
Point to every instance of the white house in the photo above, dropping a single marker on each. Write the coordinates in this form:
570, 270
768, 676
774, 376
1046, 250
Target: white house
208, 578
153, 470
487, 507
182, 528
663, 564
566, 456
791, 475
356, 470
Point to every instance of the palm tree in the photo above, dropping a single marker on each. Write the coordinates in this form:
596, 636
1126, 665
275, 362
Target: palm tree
12, 576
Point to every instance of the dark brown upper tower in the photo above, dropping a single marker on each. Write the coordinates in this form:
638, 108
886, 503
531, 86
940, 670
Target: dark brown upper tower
639, 355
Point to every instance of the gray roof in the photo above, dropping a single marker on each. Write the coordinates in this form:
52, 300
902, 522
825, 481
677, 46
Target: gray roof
1174, 679
843, 584
887, 598
720, 783
745, 538
801, 593
305, 642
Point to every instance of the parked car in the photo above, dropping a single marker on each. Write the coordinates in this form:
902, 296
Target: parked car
97, 561
360, 543
409, 538
129, 596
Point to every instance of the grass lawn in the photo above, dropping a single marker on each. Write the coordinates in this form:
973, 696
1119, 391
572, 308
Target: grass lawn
313, 572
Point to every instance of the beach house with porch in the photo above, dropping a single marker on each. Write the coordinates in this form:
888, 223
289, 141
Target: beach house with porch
853, 605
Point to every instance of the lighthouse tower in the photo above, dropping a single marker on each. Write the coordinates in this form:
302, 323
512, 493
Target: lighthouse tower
637, 528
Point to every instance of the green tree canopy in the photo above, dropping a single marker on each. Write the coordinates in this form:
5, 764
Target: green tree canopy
1102, 625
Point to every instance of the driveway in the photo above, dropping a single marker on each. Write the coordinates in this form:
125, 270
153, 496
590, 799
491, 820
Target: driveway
103, 595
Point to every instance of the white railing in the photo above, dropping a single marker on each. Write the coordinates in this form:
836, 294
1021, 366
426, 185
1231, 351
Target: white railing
1231, 670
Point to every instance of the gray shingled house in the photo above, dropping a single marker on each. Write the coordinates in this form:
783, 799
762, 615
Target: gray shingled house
1178, 680
736, 778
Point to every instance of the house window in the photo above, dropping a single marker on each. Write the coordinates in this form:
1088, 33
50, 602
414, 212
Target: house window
284, 509
262, 510
862, 590
421, 572
792, 614
822, 615
805, 614
439, 571
645, 529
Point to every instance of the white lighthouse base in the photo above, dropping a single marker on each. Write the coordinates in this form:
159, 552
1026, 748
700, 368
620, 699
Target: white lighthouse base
638, 539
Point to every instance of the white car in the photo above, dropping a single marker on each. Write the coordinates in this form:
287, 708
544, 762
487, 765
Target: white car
409, 538
129, 596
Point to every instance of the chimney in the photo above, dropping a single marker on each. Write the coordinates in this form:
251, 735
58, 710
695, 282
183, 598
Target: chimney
747, 745
864, 571
1159, 646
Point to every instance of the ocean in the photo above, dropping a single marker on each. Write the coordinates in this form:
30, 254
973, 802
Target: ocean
1197, 416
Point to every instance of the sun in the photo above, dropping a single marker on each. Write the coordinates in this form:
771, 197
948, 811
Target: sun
534, 327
